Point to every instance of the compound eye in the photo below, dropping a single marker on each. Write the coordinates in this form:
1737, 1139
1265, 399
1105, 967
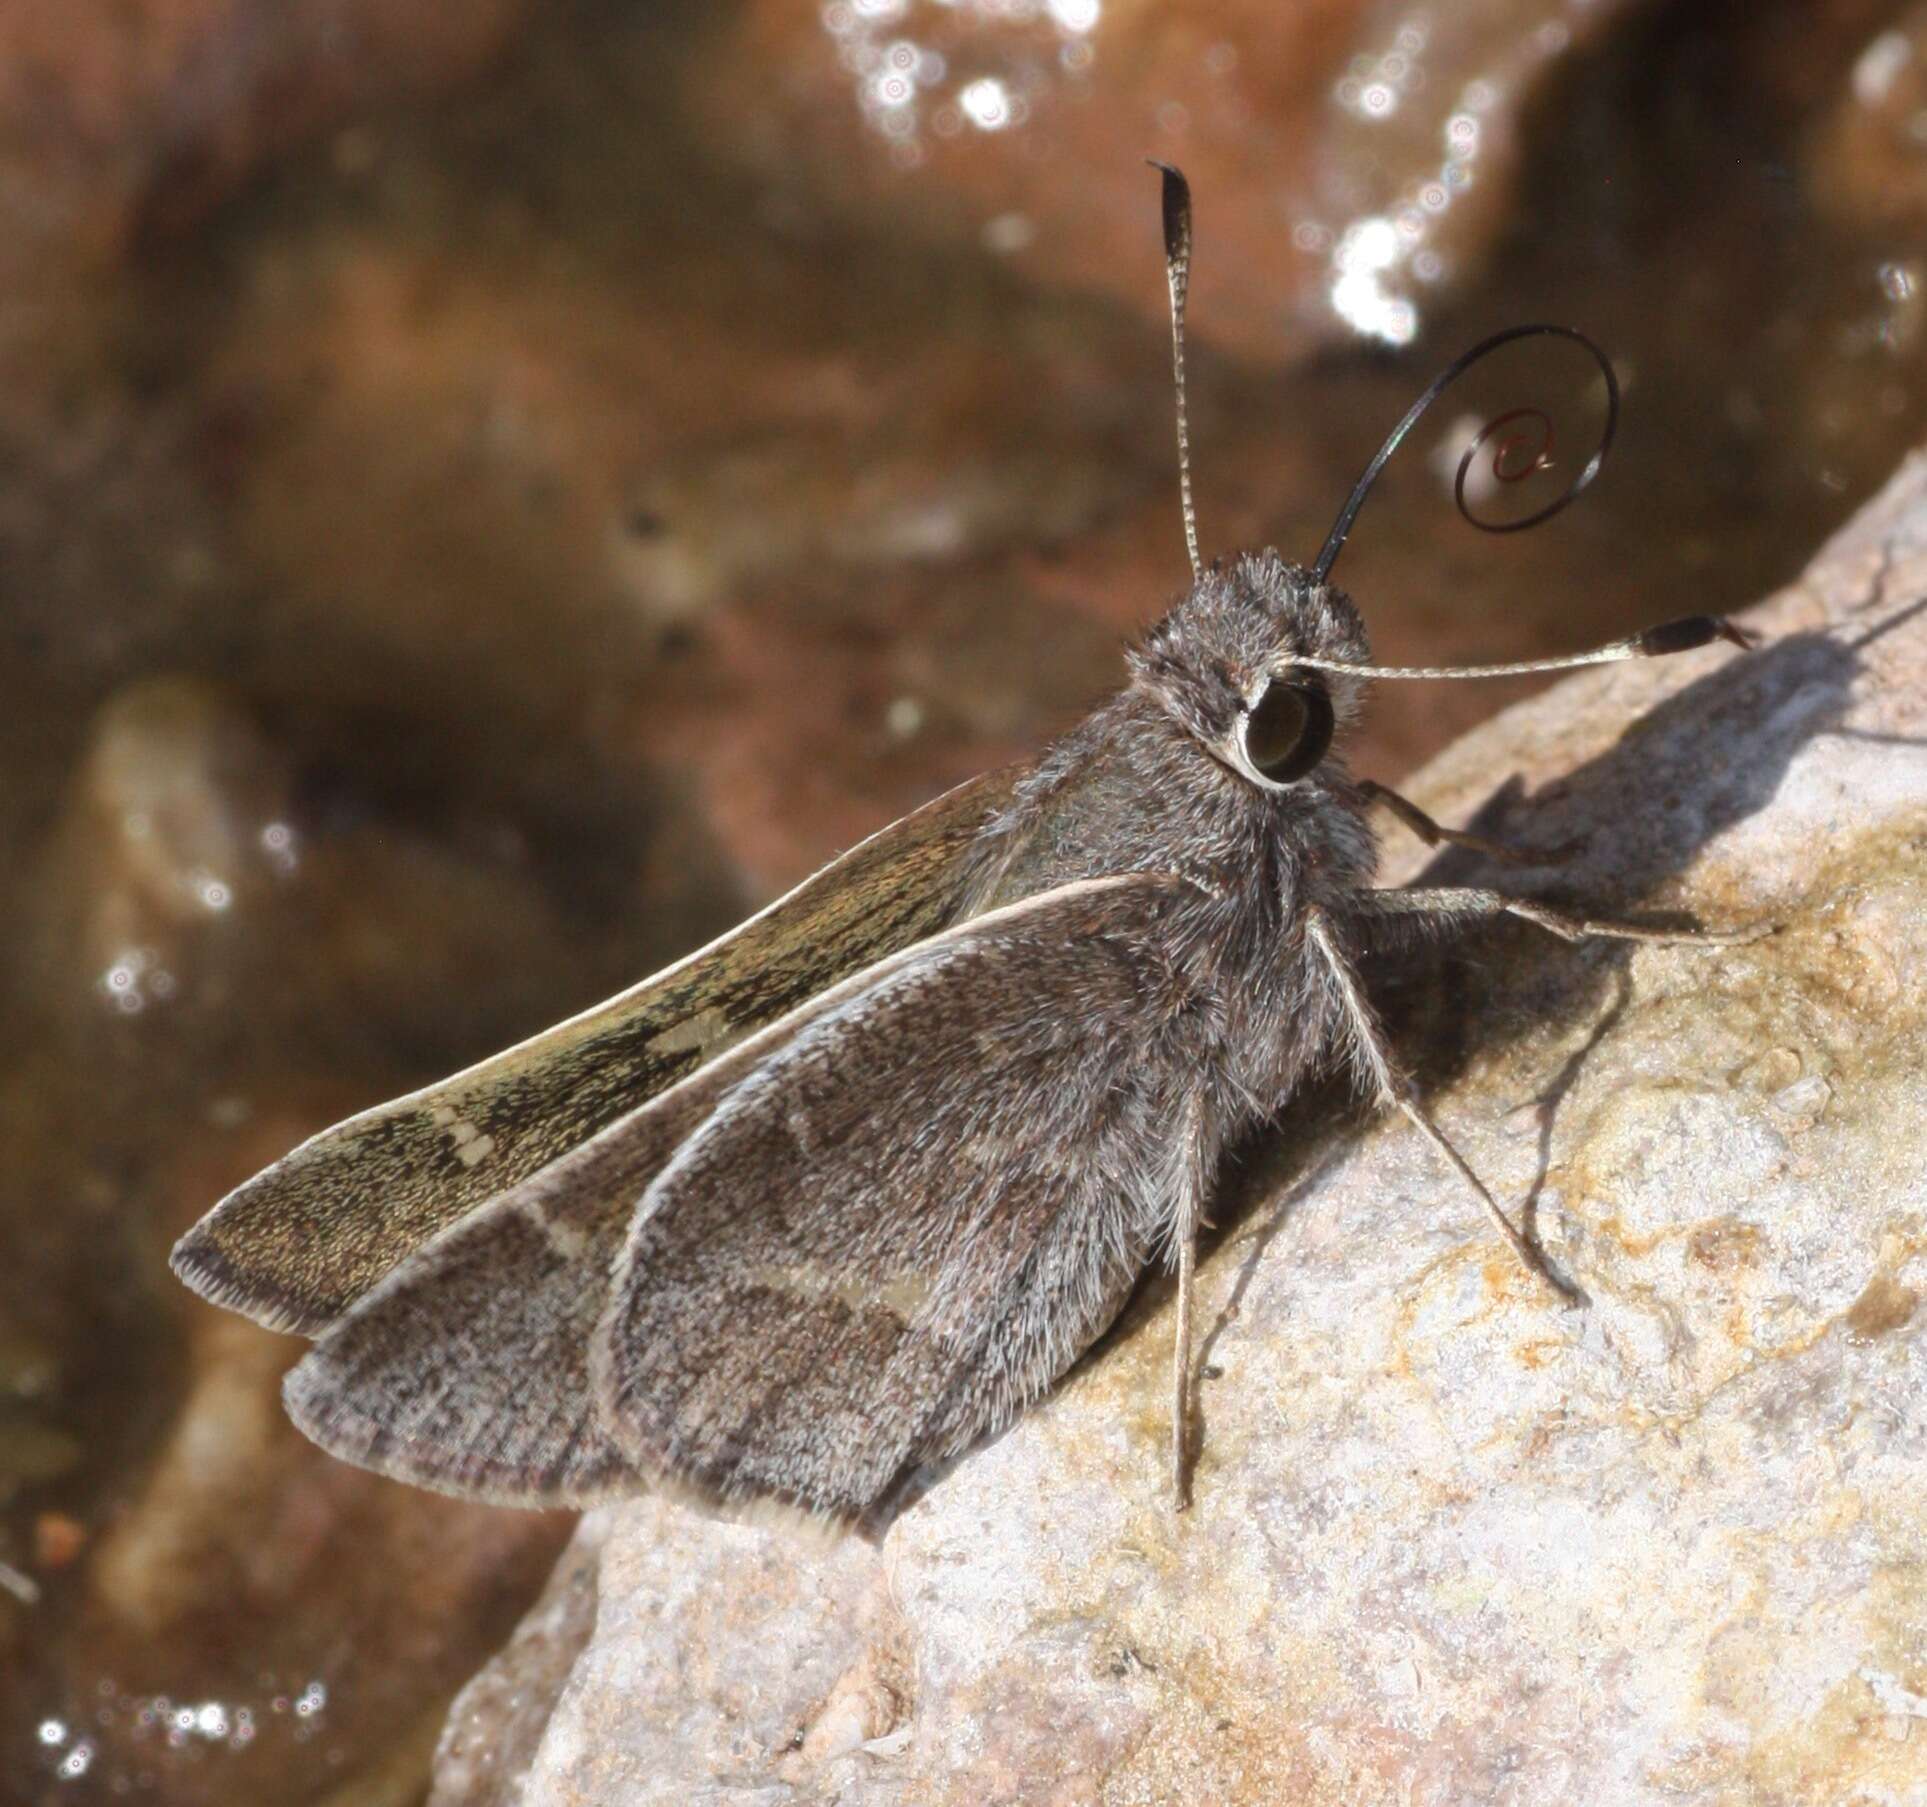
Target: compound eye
1287, 731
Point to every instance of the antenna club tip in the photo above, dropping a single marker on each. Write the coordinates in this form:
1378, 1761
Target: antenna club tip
1177, 218
1692, 631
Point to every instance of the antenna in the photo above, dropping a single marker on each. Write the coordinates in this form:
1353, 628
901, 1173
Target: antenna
1177, 272
1342, 527
1680, 636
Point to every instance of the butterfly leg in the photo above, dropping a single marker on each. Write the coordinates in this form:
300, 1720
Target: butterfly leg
1187, 1217
1434, 834
1181, 1369
1372, 1061
1468, 903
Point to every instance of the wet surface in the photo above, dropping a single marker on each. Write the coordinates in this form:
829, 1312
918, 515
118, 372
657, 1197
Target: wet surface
477, 511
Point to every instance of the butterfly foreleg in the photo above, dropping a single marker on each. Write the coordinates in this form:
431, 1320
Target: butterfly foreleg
1466, 903
1435, 834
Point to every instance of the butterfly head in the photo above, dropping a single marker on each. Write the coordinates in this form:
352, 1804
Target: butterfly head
1228, 664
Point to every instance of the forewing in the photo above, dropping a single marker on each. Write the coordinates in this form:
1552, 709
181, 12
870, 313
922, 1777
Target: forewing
466, 1368
909, 1220
300, 1242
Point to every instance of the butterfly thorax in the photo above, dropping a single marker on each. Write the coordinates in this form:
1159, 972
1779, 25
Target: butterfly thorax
1132, 790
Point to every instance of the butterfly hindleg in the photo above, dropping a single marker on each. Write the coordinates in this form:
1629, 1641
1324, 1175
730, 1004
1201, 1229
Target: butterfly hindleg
1372, 1061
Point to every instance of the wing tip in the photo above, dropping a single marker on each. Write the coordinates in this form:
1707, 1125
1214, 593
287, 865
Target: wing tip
201, 1264
318, 1397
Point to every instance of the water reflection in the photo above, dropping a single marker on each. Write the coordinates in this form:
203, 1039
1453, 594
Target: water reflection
72, 1750
905, 85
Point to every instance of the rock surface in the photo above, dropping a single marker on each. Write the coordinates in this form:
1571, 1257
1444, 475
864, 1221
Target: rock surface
1451, 1542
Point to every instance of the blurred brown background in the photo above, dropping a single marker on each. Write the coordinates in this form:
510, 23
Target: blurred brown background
487, 493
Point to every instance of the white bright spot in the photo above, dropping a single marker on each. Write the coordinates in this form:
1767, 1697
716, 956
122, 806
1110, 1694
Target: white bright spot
1896, 281
986, 104
1359, 297
210, 1719
1008, 233
1368, 244
52, 1732
880, 9
1379, 100
212, 892
892, 88
76, 1762
1075, 15
1454, 441
277, 842
122, 983
1879, 66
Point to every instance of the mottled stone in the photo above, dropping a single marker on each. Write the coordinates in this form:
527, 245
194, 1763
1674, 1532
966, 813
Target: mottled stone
118, 118
499, 1718
1451, 1541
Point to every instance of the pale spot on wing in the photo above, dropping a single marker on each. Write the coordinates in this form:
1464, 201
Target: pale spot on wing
707, 1029
474, 1148
796, 1119
993, 1152
905, 1296
564, 1238
471, 1146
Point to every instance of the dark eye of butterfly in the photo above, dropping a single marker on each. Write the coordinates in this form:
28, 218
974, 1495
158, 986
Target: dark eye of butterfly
1287, 731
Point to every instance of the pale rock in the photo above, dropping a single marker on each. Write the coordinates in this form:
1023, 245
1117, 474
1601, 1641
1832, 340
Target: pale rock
1451, 1542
